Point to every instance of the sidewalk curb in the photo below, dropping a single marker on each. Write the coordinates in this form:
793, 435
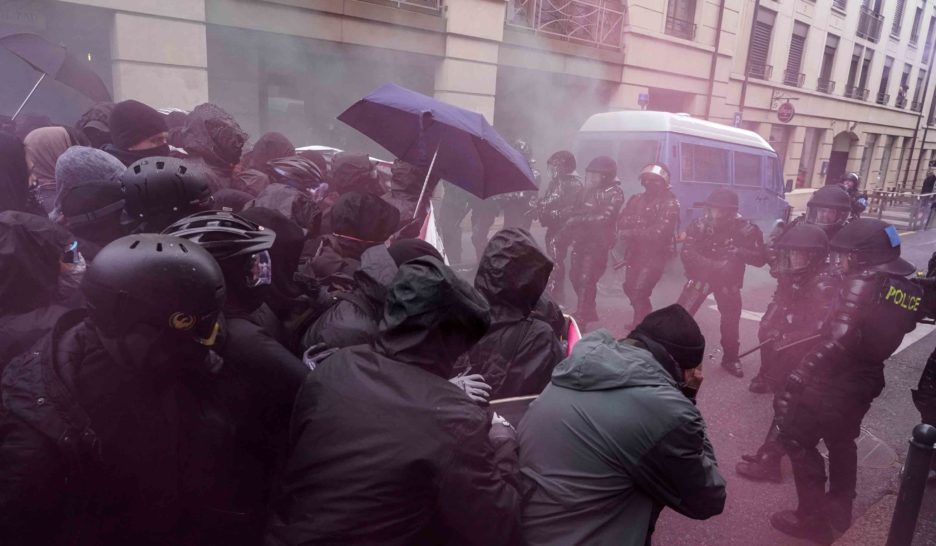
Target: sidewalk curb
872, 527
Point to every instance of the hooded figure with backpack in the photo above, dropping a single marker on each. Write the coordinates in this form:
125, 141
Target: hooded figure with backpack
385, 450
517, 355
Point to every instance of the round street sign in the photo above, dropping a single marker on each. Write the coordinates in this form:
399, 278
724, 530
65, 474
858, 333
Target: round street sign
786, 112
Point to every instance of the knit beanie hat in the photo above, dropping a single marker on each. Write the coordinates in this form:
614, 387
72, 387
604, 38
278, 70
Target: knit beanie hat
79, 165
676, 331
132, 122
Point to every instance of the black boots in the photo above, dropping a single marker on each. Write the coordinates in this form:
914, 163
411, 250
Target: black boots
761, 385
732, 365
814, 527
763, 467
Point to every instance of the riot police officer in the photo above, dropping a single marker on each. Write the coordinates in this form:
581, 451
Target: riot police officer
718, 246
517, 205
800, 307
590, 229
562, 197
647, 229
851, 182
829, 208
831, 388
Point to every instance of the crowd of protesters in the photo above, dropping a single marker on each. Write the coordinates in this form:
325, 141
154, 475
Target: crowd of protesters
205, 345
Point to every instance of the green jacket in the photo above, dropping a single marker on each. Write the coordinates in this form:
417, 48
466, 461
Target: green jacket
607, 445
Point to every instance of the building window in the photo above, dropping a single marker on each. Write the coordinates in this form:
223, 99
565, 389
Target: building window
792, 75
928, 46
825, 84
870, 21
917, 104
915, 29
680, 19
904, 87
704, 164
840, 4
898, 19
760, 45
883, 97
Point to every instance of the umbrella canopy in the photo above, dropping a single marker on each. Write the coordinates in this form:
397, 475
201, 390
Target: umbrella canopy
54, 60
471, 154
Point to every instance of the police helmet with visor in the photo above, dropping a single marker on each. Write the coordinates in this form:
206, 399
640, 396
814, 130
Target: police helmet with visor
829, 206
801, 249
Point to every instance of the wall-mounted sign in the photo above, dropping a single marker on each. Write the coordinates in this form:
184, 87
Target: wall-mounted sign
786, 112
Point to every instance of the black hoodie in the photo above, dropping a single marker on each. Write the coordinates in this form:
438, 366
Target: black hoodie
517, 355
386, 450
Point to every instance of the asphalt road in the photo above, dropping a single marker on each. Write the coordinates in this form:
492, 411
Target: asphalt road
737, 419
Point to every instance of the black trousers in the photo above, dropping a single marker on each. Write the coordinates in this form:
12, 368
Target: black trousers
639, 282
589, 263
728, 299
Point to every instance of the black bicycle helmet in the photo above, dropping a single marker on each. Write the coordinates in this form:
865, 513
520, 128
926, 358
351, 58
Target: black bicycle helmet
224, 234
563, 161
296, 170
158, 280
156, 186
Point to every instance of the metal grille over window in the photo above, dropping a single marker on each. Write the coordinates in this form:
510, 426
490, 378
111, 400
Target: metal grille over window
596, 22
869, 25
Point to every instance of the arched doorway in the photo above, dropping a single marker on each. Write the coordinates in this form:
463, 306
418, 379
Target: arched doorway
838, 160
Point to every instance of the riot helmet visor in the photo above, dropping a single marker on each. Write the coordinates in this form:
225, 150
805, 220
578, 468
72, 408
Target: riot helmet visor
825, 216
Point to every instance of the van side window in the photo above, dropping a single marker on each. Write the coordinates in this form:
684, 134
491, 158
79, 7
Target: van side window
704, 164
774, 178
747, 169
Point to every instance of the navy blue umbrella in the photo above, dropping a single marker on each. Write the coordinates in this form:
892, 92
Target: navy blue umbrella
466, 150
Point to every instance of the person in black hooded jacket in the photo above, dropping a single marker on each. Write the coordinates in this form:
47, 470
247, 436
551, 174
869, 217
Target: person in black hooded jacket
517, 355
384, 449
108, 433
354, 318
358, 222
31, 249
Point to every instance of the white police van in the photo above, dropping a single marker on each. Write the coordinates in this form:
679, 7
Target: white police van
700, 155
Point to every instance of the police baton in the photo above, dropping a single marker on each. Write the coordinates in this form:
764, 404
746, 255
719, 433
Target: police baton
912, 485
781, 348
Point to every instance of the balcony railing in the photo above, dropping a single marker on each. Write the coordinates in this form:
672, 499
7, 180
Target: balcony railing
680, 28
596, 22
793, 78
869, 25
853, 92
901, 101
882, 98
759, 71
825, 86
916, 106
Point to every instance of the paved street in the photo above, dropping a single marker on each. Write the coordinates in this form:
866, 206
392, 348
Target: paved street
738, 419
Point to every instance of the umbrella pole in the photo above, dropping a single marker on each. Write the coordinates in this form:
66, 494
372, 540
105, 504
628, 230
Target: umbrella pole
20, 109
422, 193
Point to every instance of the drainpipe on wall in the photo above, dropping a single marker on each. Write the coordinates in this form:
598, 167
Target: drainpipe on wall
747, 59
711, 78
929, 76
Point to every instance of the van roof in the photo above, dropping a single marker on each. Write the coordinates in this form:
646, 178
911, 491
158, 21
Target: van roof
632, 121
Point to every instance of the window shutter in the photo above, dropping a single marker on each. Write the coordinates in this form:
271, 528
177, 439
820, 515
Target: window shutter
760, 45
898, 18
